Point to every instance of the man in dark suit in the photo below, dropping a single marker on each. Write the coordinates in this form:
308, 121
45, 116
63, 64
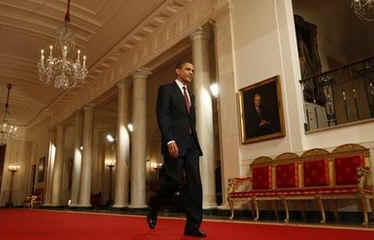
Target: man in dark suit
181, 150
261, 119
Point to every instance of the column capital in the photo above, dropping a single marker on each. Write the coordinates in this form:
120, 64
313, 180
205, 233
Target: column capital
221, 9
142, 73
89, 107
200, 33
121, 83
78, 111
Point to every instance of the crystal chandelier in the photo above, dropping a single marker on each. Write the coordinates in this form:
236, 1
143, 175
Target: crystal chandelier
364, 9
7, 131
66, 68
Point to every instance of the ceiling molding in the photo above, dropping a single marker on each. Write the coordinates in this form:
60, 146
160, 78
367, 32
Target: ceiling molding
177, 28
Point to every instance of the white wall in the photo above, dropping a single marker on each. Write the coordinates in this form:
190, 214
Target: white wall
265, 48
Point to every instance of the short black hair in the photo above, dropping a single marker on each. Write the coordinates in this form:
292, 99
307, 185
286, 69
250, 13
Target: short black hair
180, 64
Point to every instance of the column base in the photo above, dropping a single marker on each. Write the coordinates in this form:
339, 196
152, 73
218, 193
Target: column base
83, 205
54, 205
209, 205
120, 206
72, 205
223, 207
143, 206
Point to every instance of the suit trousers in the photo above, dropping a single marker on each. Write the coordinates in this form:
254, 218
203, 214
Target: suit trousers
188, 181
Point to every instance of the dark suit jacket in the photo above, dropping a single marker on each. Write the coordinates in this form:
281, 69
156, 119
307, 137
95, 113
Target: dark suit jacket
254, 119
174, 121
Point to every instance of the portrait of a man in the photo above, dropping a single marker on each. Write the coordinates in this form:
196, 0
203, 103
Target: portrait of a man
261, 111
41, 170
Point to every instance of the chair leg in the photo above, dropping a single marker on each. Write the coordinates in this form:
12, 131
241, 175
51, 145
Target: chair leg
336, 213
321, 207
302, 205
285, 204
257, 209
231, 204
275, 208
252, 208
364, 206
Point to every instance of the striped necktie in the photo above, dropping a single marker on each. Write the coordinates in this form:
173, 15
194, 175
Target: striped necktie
186, 99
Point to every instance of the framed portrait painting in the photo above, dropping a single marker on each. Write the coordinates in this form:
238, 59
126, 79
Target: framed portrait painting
261, 111
41, 170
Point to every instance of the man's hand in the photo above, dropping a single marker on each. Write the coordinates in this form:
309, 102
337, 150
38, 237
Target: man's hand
263, 122
173, 149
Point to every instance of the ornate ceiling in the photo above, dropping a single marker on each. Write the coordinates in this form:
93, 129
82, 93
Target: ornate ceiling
103, 28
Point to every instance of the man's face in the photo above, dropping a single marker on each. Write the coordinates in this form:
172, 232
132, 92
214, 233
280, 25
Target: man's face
185, 74
257, 101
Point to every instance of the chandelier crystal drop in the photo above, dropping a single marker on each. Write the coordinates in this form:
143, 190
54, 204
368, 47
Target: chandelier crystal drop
7, 130
364, 9
63, 65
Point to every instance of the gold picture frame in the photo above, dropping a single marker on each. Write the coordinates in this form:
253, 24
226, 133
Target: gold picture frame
261, 111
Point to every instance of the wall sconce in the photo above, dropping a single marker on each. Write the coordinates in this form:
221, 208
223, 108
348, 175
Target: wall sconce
130, 127
110, 138
214, 89
13, 167
155, 165
110, 163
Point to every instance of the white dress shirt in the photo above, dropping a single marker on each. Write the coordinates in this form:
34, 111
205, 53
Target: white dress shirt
181, 85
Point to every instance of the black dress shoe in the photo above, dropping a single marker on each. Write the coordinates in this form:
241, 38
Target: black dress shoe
194, 233
152, 220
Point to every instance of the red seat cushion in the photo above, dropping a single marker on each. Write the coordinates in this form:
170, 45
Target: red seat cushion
287, 175
322, 191
297, 192
316, 173
346, 169
261, 177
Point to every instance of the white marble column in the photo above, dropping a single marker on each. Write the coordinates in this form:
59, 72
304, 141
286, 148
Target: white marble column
51, 161
121, 189
77, 162
99, 161
85, 187
138, 140
204, 114
228, 111
57, 168
94, 177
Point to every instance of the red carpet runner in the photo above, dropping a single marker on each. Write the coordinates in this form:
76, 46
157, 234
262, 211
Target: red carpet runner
52, 225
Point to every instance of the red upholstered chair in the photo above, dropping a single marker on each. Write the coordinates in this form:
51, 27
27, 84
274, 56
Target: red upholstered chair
346, 169
287, 175
286, 178
315, 167
352, 175
316, 172
259, 184
287, 170
262, 177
